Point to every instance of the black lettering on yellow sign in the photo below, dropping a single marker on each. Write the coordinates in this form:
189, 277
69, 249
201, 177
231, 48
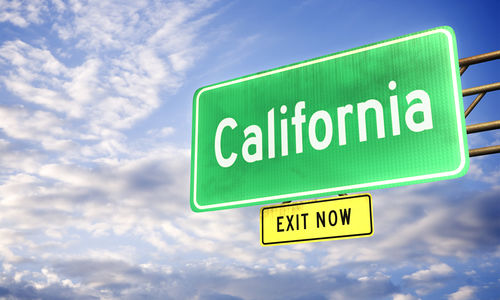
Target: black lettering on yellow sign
290, 219
342, 217
345, 217
321, 220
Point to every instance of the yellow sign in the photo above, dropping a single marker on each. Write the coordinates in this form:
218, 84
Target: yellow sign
342, 217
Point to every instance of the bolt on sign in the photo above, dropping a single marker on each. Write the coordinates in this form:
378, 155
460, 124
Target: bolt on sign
378, 116
342, 217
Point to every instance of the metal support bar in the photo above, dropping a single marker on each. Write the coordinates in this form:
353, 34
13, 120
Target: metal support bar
464, 63
478, 59
480, 89
473, 104
484, 151
483, 126
463, 69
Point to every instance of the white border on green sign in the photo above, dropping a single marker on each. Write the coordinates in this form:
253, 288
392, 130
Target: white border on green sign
350, 187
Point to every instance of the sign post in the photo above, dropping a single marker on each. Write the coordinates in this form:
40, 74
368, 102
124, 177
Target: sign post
378, 116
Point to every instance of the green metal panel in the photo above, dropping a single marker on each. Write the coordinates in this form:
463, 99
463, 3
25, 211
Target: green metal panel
378, 116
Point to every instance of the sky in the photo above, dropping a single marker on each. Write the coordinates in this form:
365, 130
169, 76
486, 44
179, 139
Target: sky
95, 137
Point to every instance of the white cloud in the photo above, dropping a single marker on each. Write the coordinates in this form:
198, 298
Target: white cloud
10, 244
84, 278
87, 211
22, 13
464, 293
18, 160
79, 93
132, 197
430, 279
21, 123
404, 297
434, 271
134, 52
161, 133
421, 223
286, 254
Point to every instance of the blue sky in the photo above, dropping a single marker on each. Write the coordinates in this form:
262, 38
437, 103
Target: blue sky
95, 138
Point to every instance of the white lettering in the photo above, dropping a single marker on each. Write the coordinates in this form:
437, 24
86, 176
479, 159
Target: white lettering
341, 112
395, 115
224, 162
255, 140
284, 133
379, 115
418, 117
323, 115
270, 133
394, 110
424, 107
297, 121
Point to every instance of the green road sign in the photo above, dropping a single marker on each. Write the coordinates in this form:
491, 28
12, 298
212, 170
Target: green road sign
382, 115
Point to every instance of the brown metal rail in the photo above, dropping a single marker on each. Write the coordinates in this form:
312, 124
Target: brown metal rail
483, 127
464, 63
481, 89
479, 58
484, 151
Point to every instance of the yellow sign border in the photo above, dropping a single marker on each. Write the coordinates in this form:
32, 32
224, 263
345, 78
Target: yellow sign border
326, 238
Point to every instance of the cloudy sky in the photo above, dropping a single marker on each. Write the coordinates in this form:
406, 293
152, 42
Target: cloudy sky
95, 139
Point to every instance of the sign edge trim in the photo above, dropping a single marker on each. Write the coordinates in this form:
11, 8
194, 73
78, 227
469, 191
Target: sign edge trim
443, 29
